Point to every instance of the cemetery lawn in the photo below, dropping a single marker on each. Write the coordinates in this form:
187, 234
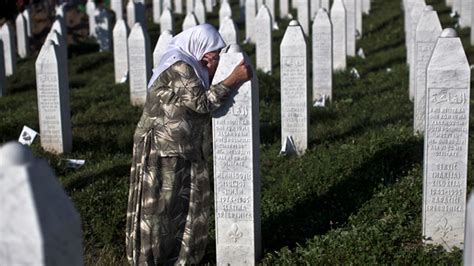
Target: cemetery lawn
355, 197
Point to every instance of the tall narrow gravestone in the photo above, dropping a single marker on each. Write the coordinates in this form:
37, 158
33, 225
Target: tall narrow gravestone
446, 142
366, 6
157, 7
427, 33
271, 7
117, 7
325, 4
178, 6
284, 8
236, 169
27, 15
338, 19
3, 82
53, 99
23, 43
228, 31
200, 11
131, 14
189, 6
120, 34
224, 11
314, 7
250, 16
303, 16
468, 258
263, 36
161, 45
466, 9
166, 21
139, 64
359, 18
209, 6
416, 12
350, 6
189, 21
294, 84
408, 7
322, 57
9, 48
39, 224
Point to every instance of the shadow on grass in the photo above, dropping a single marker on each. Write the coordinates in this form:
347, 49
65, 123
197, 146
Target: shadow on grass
81, 181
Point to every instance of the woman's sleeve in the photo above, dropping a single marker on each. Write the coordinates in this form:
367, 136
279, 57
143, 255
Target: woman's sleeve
193, 94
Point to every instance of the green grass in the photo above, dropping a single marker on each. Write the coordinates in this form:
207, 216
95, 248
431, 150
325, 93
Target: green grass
354, 198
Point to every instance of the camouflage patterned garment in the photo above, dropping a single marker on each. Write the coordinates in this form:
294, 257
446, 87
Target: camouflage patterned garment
168, 205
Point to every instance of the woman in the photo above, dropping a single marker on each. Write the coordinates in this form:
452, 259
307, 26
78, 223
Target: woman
168, 206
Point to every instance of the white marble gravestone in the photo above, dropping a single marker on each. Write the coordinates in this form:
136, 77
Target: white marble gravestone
157, 7
236, 169
469, 233
43, 227
27, 15
294, 94
465, 19
139, 64
161, 45
416, 12
314, 7
359, 18
366, 6
90, 10
224, 11
178, 6
338, 19
55, 36
103, 30
263, 39
167, 4
250, 16
117, 7
166, 21
189, 6
9, 48
408, 7
209, 6
271, 7
325, 4
322, 56
3, 81
229, 32
260, 3
350, 6
53, 99
200, 11
22, 40
120, 43
189, 21
284, 8
427, 33
303, 16
446, 143
131, 13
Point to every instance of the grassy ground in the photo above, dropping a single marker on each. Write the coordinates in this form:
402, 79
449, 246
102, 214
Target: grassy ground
354, 198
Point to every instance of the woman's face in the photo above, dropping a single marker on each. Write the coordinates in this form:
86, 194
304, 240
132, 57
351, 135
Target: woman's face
211, 61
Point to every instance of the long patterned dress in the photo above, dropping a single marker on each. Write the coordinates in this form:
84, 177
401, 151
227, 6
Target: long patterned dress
168, 205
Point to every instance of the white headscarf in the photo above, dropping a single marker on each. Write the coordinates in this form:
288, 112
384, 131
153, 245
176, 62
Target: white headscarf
190, 46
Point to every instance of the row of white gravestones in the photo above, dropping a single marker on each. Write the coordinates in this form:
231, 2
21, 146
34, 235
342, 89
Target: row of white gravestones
338, 19
161, 45
189, 21
22, 39
416, 12
120, 42
446, 142
236, 169
350, 7
139, 62
294, 83
303, 15
166, 21
135, 14
43, 227
427, 33
263, 39
229, 32
9, 48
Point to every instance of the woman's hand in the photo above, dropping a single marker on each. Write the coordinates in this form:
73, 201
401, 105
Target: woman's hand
241, 73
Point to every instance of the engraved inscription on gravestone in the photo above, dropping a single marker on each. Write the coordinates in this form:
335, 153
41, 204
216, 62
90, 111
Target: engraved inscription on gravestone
322, 57
139, 64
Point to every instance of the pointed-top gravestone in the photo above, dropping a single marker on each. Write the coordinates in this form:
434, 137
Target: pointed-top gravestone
416, 12
53, 99
161, 45
200, 11
55, 36
103, 31
189, 21
131, 14
250, 16
469, 232
325, 4
178, 6
157, 7
263, 36
27, 15
303, 16
166, 21
117, 7
236, 169
322, 56
120, 43
189, 6
3, 81
9, 48
314, 7
284, 8
446, 143
23, 43
271, 7
139, 64
167, 4
224, 11
229, 32
90, 10
42, 228
427, 33
350, 7
338, 18
294, 84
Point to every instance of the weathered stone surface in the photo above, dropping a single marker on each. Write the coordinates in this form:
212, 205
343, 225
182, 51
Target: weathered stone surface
157, 7
166, 21
236, 170
103, 29
294, 84
90, 10
3, 81
189, 21
22, 40
53, 99
9, 48
303, 16
350, 6
250, 16
139, 64
446, 143
200, 11
314, 7
469, 232
42, 228
229, 32
416, 12
161, 45
120, 34
338, 19
427, 33
263, 39
322, 56
117, 7
466, 10
224, 11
